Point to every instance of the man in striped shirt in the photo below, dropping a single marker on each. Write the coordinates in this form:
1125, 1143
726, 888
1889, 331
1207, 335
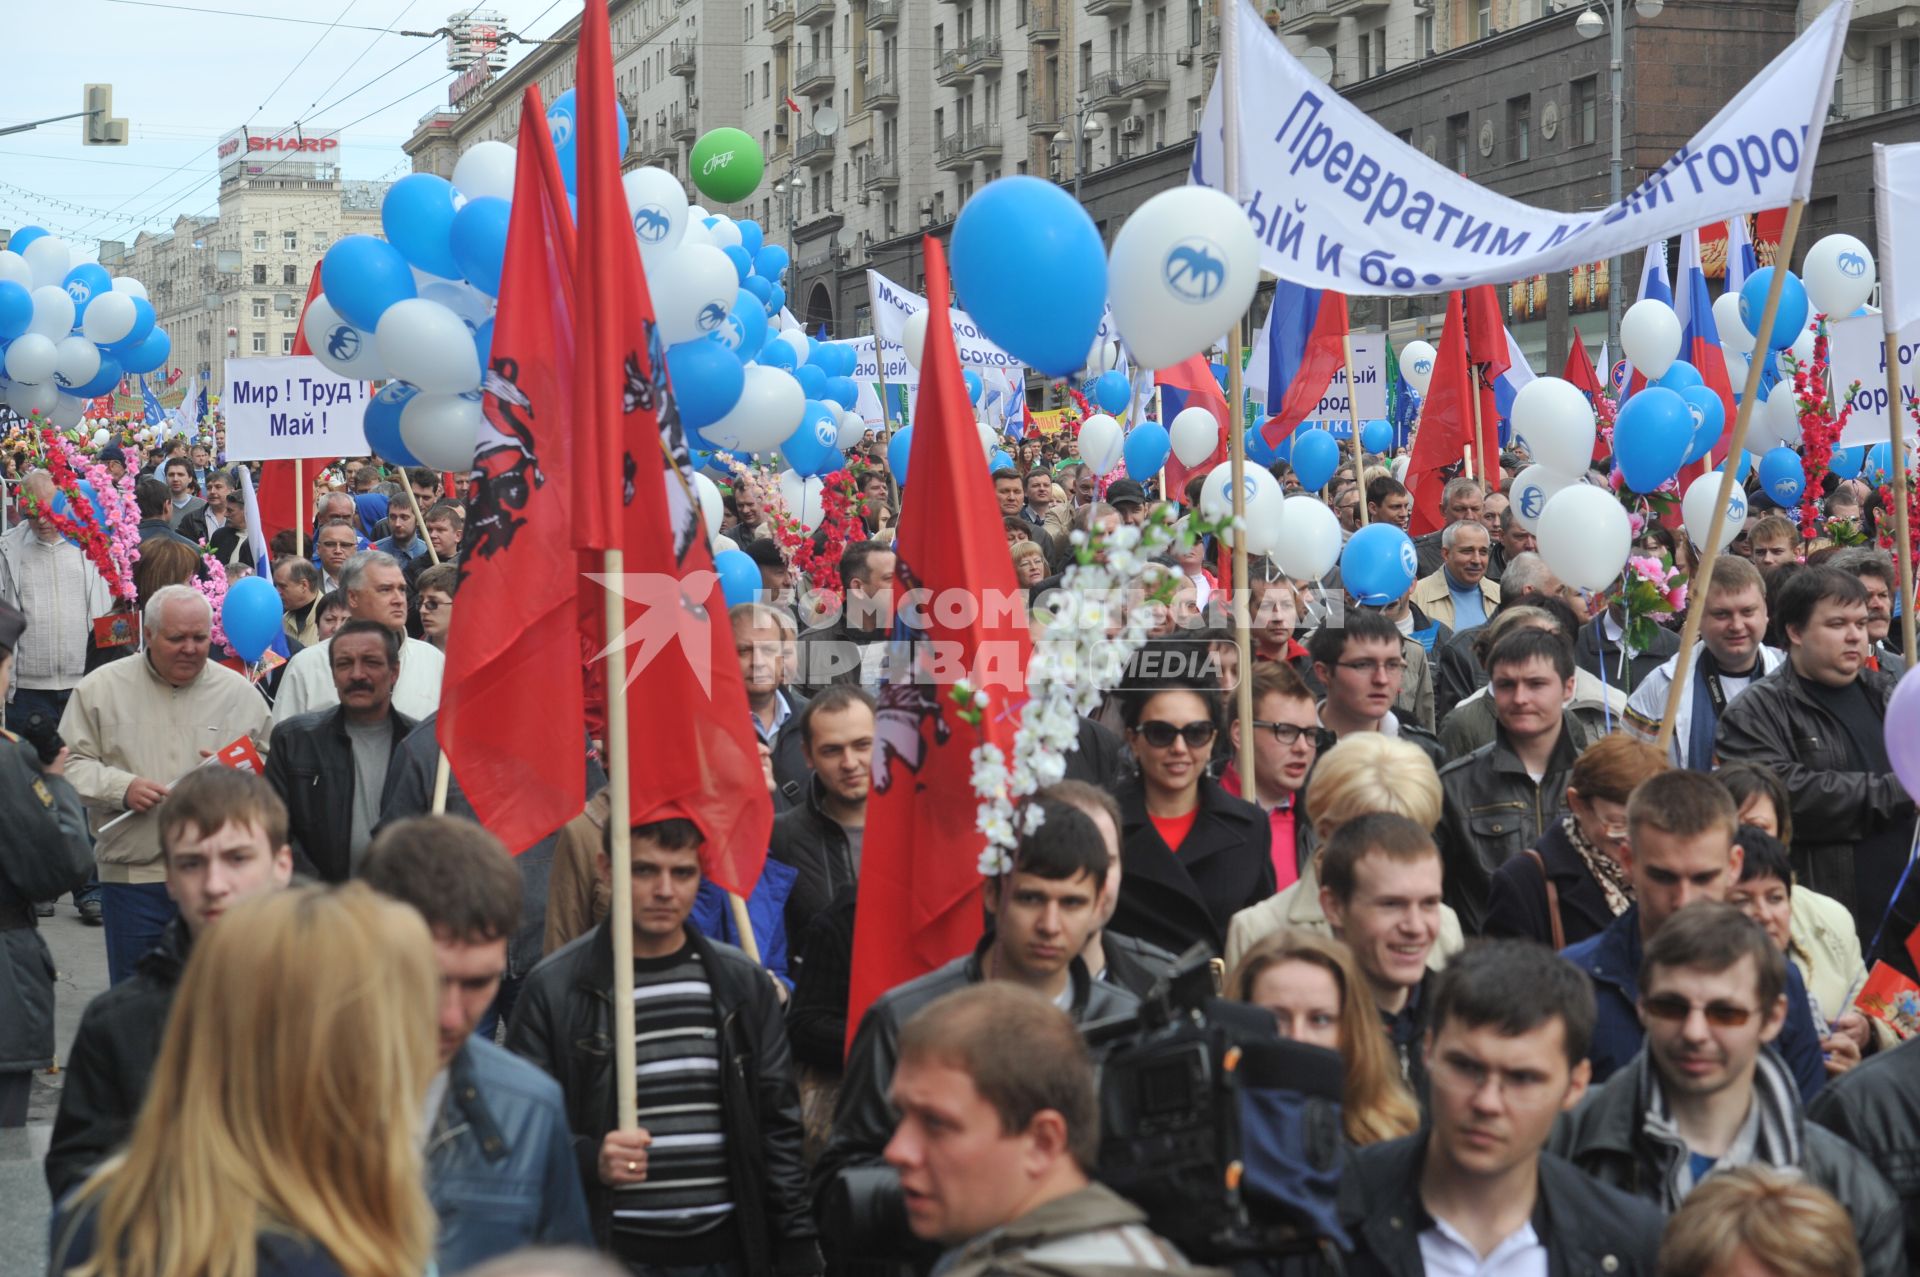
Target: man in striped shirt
711, 1184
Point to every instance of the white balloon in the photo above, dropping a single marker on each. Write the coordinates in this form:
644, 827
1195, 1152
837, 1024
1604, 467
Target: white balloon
1726, 318
1182, 270
699, 214
463, 299
724, 543
1585, 536
724, 233
50, 259
40, 397
100, 436
1783, 416
130, 286
710, 503
109, 317
913, 336
76, 361
1555, 419
658, 204
1195, 435
853, 428
1802, 348
696, 233
1101, 442
52, 311
989, 438
1263, 497
797, 343
1738, 362
693, 289
1309, 542
1650, 336
1839, 275
771, 405
69, 411
338, 345
31, 359
1696, 510
804, 498
1416, 364
1532, 488
486, 169
426, 344
441, 429
14, 269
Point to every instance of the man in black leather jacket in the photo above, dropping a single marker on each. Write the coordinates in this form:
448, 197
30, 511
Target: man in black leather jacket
1876, 1108
821, 836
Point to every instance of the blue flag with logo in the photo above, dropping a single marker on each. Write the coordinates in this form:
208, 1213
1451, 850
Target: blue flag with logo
156, 415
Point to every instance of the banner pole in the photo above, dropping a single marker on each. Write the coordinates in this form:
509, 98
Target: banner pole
749, 944
1353, 416
1896, 421
620, 821
1237, 428
1160, 415
299, 508
442, 774
1710, 551
419, 517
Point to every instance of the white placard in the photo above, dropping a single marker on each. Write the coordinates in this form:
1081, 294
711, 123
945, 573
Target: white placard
1855, 350
287, 406
1369, 373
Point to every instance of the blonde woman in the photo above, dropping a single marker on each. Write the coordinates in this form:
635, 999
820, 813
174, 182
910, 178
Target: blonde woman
1749, 1220
1365, 773
282, 1132
1309, 981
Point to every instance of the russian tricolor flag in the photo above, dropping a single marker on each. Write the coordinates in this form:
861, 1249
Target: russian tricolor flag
1305, 334
1191, 384
1700, 336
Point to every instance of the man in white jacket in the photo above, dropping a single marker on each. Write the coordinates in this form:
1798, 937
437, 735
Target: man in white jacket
376, 589
1726, 660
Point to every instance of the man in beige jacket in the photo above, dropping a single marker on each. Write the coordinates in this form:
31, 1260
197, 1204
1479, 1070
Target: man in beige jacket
136, 726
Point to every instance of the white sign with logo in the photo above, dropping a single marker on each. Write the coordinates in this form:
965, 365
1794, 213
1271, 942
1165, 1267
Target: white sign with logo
288, 406
1856, 350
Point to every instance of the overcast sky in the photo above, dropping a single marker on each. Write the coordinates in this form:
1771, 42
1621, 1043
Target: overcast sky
186, 73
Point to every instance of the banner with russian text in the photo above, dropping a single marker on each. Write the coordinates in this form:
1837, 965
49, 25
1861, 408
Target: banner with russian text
284, 406
1340, 203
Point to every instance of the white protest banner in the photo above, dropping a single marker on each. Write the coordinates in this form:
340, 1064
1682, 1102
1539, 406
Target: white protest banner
1856, 351
894, 305
288, 406
1369, 375
1338, 202
1896, 203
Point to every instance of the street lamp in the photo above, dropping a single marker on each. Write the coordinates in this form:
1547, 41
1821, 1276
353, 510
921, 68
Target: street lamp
1589, 24
788, 189
1086, 127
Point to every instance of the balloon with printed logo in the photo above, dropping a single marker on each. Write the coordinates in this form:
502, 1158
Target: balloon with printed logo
1709, 414
1145, 450
362, 276
1697, 507
706, 379
1020, 238
417, 215
382, 423
1650, 437
1839, 275
1650, 334
76, 361
49, 259
745, 331
1532, 488
1585, 536
1182, 272
739, 577
442, 429
563, 126
778, 354
1316, 455
1679, 376
776, 299
108, 319
1195, 435
31, 358
1416, 364
1376, 437
16, 310
1100, 442
1726, 319
977, 387
84, 283
1788, 319
424, 343
339, 346
899, 448
769, 409
814, 448
485, 170
52, 312
726, 165
658, 205
1262, 502
1782, 478
1112, 392
1379, 564
479, 242
251, 615
104, 380
1845, 463
149, 354
693, 290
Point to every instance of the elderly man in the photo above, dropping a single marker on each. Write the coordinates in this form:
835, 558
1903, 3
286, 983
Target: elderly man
376, 591
1461, 501
135, 726
1459, 595
334, 545
1511, 538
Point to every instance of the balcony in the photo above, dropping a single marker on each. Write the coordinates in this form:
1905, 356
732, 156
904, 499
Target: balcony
814, 150
1144, 76
881, 93
1110, 8
959, 149
1355, 8
1210, 43
813, 77
980, 55
882, 174
1044, 117
779, 16
812, 13
680, 58
883, 13
1302, 17
1042, 21
682, 125
1108, 91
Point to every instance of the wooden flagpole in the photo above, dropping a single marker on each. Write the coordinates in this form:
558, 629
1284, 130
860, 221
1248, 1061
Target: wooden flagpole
1237, 428
620, 822
1897, 420
299, 508
1710, 551
1353, 416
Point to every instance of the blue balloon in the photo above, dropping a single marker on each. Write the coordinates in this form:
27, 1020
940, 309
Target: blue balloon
1879, 466
899, 448
1262, 453
1376, 436
1316, 455
18, 241
849, 360
106, 379
143, 320
362, 276
1788, 320
382, 423
1378, 564
742, 263
751, 236
761, 289
844, 391
1650, 437
999, 461
1679, 375
149, 354
251, 616
778, 354
739, 577
1846, 462
745, 331
813, 381
16, 310
770, 261
776, 297
813, 350
417, 216
1709, 419
1112, 391
1145, 450
707, 379
563, 126
479, 242
1741, 469
975, 386
1781, 477
483, 343
84, 283
813, 448
1020, 238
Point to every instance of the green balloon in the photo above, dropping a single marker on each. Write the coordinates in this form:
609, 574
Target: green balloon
726, 165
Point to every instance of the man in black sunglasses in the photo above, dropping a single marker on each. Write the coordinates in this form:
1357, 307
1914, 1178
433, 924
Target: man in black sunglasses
1708, 1093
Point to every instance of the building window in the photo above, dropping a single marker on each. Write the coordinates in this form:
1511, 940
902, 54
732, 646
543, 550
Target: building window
290, 241
1883, 78
286, 343
259, 343
1910, 71
259, 241
1483, 19
1366, 58
1423, 35
259, 274
1585, 124
1457, 142
259, 308
1519, 128
289, 274
1020, 91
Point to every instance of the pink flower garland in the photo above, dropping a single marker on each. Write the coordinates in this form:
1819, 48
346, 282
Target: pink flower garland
120, 516
214, 588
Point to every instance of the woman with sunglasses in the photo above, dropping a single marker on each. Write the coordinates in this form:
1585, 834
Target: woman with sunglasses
1193, 854
1571, 884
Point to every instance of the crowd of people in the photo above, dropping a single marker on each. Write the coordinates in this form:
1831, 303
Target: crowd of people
1594, 1003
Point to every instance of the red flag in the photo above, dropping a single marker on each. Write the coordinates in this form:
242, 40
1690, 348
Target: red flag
1191, 384
510, 701
1580, 370
1446, 422
920, 878
1487, 352
285, 497
694, 753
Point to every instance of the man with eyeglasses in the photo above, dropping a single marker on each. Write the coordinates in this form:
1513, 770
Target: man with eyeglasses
1287, 737
1362, 665
1680, 849
1707, 1093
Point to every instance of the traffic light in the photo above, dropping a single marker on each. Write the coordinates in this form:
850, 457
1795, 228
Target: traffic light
100, 128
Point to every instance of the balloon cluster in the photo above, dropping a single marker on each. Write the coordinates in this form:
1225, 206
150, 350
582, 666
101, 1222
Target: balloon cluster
69, 331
